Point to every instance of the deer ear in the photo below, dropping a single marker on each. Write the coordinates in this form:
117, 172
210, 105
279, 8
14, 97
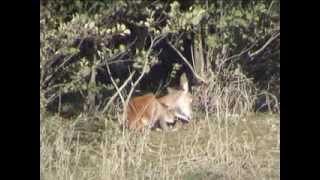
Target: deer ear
185, 86
184, 82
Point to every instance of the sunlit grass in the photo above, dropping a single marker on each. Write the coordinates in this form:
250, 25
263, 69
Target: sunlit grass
242, 148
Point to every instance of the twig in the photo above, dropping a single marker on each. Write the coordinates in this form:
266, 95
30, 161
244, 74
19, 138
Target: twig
113, 82
117, 56
264, 46
116, 94
188, 64
161, 37
240, 54
49, 77
251, 55
153, 41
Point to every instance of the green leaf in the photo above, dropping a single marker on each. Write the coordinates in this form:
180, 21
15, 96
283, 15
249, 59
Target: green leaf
199, 13
242, 22
122, 47
127, 31
73, 50
237, 13
212, 41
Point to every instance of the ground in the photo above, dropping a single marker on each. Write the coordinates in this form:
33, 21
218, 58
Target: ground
207, 148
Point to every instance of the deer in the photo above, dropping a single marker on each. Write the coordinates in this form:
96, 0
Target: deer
149, 111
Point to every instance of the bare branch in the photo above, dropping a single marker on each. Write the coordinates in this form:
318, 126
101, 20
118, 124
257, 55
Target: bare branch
119, 90
251, 55
240, 54
114, 83
118, 56
153, 41
188, 64
265, 45
48, 78
158, 39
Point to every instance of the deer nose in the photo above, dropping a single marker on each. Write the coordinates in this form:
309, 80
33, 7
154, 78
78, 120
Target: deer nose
188, 118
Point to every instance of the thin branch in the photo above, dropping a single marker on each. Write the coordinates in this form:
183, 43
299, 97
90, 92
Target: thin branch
240, 54
49, 77
251, 55
188, 64
192, 56
265, 45
158, 39
113, 82
119, 90
153, 41
115, 58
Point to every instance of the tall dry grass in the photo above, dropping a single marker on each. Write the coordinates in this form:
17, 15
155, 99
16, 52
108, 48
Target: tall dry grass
225, 140
240, 148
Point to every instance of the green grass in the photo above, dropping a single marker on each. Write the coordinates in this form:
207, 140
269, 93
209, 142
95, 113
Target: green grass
233, 148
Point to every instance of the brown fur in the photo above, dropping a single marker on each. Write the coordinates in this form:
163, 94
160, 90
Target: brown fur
147, 111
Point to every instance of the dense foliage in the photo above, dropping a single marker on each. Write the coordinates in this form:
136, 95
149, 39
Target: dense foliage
89, 48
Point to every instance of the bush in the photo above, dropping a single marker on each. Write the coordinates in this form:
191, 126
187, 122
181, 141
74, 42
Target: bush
79, 38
